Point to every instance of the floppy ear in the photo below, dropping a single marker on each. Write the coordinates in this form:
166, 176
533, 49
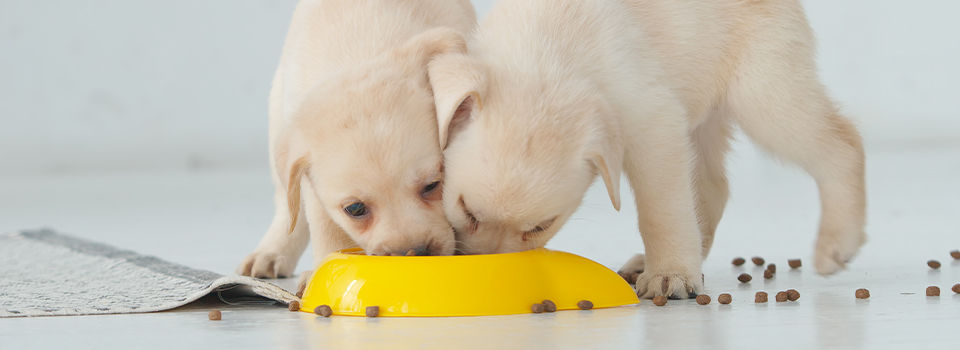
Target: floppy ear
291, 163
607, 158
456, 81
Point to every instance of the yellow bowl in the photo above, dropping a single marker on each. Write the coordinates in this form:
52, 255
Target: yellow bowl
462, 285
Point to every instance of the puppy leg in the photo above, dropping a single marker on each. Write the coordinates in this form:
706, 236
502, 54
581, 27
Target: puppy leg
657, 164
325, 235
779, 102
278, 251
711, 141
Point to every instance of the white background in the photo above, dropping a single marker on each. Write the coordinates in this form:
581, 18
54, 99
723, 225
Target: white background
133, 85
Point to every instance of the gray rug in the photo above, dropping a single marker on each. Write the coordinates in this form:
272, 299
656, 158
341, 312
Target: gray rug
44, 273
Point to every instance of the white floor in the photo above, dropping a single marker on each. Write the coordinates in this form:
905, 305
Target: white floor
210, 220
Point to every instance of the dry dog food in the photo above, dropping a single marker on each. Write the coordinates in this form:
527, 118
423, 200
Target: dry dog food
956, 288
955, 254
757, 260
761, 297
537, 308
300, 294
214, 315
863, 293
629, 277
323, 310
585, 304
794, 263
703, 299
549, 306
933, 291
293, 306
793, 294
738, 261
933, 264
772, 268
724, 298
768, 274
744, 277
659, 300
373, 311
781, 297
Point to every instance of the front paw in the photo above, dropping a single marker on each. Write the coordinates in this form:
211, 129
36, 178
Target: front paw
674, 285
266, 265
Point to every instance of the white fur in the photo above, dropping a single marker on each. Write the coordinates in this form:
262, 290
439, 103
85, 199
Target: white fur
554, 92
352, 119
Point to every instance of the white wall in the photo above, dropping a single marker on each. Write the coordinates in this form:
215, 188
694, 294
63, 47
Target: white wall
116, 85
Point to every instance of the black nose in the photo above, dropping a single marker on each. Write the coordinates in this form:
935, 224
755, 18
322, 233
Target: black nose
415, 251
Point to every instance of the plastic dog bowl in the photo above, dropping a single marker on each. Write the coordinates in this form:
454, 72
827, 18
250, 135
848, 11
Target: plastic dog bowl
461, 285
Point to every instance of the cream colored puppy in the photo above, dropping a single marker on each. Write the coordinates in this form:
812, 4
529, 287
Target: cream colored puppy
555, 92
353, 142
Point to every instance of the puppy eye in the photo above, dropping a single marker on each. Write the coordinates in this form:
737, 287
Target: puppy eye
356, 209
474, 223
431, 191
532, 233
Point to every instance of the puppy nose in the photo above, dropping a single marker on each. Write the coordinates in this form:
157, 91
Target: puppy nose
416, 251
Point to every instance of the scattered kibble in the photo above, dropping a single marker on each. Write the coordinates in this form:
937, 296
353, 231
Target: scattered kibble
659, 300
738, 261
757, 260
300, 293
537, 308
781, 297
293, 306
772, 268
585, 304
955, 254
794, 263
744, 277
956, 288
703, 299
724, 298
214, 315
549, 306
933, 291
863, 293
629, 277
761, 297
768, 274
933, 264
323, 310
373, 311
793, 294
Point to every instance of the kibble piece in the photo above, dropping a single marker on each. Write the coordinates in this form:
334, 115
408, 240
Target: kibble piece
549, 306
300, 294
757, 260
768, 274
956, 288
703, 299
323, 310
761, 297
794, 263
293, 306
772, 268
724, 298
781, 297
214, 315
585, 304
933, 291
373, 311
629, 277
933, 264
793, 294
744, 277
955, 254
659, 300
863, 293
738, 261
537, 308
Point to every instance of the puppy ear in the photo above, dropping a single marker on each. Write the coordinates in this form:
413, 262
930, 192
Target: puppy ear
456, 81
608, 160
291, 163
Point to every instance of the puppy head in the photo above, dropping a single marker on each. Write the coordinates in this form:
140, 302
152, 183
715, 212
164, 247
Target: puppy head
366, 143
520, 152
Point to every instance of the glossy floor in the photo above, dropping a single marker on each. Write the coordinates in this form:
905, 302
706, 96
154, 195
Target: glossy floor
211, 220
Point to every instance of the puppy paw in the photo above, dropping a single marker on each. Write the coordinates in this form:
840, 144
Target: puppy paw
835, 250
266, 265
670, 284
633, 268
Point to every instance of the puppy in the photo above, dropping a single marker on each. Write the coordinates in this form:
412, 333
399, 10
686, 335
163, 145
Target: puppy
353, 133
555, 92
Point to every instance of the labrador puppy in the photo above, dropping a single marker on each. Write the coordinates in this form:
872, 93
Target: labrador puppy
554, 92
353, 134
